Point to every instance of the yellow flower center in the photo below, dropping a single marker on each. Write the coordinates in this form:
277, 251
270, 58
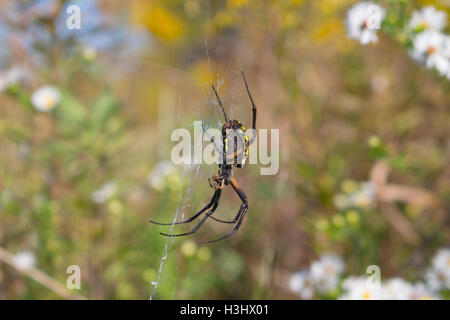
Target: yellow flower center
364, 25
431, 50
424, 25
366, 295
49, 101
329, 270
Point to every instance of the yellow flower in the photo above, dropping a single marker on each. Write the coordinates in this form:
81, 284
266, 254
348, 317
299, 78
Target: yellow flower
331, 7
414, 210
149, 275
203, 76
374, 141
204, 254
224, 19
290, 20
115, 206
332, 29
188, 248
322, 224
234, 4
338, 221
161, 22
192, 8
352, 217
349, 186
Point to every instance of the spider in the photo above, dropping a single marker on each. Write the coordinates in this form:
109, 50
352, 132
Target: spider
230, 157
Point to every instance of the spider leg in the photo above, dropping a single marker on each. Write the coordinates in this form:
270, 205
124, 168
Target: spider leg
252, 139
214, 200
251, 100
220, 103
212, 140
241, 213
224, 221
210, 212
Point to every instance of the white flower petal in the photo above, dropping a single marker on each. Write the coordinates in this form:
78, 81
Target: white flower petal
428, 18
363, 20
45, 98
24, 260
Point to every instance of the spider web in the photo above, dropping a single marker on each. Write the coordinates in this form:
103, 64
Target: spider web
183, 200
190, 173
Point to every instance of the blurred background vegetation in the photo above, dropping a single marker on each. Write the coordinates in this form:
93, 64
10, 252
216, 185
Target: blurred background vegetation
79, 184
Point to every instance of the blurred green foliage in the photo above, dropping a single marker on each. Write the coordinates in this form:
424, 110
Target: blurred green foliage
340, 108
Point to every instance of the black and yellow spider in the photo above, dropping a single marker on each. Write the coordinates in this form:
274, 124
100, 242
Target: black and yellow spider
233, 154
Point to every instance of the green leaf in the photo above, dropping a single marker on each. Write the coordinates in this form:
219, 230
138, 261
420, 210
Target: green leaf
105, 107
22, 96
70, 109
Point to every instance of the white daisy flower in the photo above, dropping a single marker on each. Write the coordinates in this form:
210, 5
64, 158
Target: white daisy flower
428, 18
163, 175
341, 201
326, 271
45, 98
363, 197
356, 288
398, 289
104, 193
363, 21
302, 284
421, 292
24, 260
89, 53
11, 77
436, 280
432, 48
438, 276
441, 260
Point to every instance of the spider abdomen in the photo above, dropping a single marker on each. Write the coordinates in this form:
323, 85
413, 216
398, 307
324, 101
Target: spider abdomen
235, 143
